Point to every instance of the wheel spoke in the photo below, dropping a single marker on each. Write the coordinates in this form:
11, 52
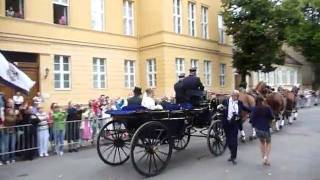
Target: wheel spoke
142, 157
107, 149
159, 158
119, 154
115, 154
162, 152
155, 162
150, 162
124, 151
110, 152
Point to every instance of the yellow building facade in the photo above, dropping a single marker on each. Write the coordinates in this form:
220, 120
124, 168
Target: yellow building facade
90, 47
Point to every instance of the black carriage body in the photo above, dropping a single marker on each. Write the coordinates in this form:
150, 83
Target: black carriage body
173, 120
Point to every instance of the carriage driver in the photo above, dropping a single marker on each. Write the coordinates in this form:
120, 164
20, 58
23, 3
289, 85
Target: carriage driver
193, 88
178, 88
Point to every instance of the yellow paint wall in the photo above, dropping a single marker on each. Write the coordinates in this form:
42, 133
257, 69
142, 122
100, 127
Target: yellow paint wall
153, 38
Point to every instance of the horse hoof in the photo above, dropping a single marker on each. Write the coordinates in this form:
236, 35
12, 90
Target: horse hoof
290, 123
295, 119
280, 127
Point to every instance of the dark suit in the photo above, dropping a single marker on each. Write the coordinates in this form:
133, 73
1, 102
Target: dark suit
193, 89
178, 88
134, 100
231, 127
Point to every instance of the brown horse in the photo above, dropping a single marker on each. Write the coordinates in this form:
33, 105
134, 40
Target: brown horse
282, 103
249, 101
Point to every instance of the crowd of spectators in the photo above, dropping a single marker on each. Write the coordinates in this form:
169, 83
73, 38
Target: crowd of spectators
28, 130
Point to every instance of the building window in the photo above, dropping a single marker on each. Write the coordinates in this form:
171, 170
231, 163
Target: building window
129, 73
179, 66
204, 22
61, 72
192, 19
151, 72
195, 64
14, 8
280, 80
177, 20
221, 30
295, 77
284, 77
97, 15
128, 17
60, 12
207, 73
99, 73
271, 78
222, 74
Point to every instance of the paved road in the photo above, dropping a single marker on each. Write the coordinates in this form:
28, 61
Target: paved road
294, 156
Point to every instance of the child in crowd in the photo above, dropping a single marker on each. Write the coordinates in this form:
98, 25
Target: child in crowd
86, 128
43, 132
59, 119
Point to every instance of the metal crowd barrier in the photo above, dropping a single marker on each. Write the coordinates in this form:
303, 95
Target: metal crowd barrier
308, 101
18, 139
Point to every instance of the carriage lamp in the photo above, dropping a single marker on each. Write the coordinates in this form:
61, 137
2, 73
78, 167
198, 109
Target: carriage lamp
46, 73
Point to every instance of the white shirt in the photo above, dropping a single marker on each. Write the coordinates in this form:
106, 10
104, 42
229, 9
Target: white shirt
233, 108
18, 99
149, 103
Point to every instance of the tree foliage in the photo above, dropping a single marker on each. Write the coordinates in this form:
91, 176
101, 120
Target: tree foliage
258, 28
305, 37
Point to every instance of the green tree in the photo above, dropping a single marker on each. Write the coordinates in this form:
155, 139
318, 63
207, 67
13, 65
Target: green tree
305, 37
258, 31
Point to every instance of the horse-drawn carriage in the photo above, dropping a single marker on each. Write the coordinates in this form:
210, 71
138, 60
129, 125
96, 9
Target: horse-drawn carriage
148, 136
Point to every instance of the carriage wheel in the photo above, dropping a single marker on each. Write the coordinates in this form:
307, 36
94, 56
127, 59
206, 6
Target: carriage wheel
113, 143
182, 143
216, 138
151, 148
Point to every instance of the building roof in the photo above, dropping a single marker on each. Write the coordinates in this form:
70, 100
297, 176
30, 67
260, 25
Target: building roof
291, 60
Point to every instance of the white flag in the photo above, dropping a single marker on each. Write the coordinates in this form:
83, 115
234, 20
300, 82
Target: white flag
14, 77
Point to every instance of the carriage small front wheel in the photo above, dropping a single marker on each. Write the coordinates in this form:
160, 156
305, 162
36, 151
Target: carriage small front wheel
113, 143
151, 148
216, 138
182, 142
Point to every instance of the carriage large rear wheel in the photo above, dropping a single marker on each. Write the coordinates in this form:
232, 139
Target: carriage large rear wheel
113, 143
182, 142
151, 148
216, 138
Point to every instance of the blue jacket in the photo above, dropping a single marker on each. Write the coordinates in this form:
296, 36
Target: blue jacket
261, 118
241, 107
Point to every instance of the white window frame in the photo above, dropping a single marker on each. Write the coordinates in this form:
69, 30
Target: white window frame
63, 3
96, 71
194, 63
192, 19
221, 30
204, 22
97, 12
271, 78
207, 72
128, 17
61, 72
180, 67
280, 79
129, 73
295, 77
177, 16
151, 73
223, 69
